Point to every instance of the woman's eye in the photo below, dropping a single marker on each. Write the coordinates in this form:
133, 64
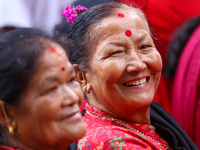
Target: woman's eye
51, 89
145, 46
116, 52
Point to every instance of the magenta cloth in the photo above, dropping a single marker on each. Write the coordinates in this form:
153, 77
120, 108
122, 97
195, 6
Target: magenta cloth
186, 88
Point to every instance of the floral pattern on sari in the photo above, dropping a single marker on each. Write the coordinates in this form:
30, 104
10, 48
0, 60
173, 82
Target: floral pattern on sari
103, 133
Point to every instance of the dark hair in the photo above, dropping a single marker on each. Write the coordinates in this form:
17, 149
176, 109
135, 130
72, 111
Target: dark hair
177, 45
20, 52
80, 32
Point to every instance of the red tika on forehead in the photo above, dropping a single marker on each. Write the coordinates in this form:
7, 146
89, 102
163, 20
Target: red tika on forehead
120, 15
128, 33
53, 49
63, 68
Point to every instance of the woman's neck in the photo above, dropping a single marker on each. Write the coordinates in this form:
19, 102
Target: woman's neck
135, 115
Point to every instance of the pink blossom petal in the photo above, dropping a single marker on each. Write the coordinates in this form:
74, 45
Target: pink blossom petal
71, 13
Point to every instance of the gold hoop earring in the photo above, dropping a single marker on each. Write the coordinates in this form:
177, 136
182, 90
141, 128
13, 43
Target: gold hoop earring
84, 88
10, 128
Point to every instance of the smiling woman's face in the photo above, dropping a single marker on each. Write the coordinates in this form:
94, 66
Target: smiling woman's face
126, 67
48, 115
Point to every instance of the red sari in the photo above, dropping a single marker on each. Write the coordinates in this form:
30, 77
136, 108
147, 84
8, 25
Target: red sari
7, 148
103, 132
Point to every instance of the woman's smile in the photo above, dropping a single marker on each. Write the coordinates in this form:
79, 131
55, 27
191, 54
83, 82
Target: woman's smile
72, 116
136, 82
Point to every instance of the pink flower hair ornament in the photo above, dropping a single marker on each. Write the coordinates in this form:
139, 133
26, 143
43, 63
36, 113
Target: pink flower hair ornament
71, 13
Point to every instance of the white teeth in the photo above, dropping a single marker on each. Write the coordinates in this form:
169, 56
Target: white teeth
141, 81
138, 82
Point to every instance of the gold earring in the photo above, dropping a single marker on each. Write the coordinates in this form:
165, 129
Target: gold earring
10, 128
84, 88
11, 131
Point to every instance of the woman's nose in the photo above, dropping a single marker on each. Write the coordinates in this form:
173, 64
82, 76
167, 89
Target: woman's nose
70, 97
135, 62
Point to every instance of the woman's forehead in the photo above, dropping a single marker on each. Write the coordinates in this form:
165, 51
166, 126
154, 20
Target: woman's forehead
119, 20
120, 23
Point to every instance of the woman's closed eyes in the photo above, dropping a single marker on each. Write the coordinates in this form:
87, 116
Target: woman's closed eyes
145, 46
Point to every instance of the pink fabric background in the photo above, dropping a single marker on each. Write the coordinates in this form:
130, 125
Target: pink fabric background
186, 88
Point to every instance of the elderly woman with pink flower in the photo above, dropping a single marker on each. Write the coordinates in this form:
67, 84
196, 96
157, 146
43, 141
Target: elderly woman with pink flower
119, 67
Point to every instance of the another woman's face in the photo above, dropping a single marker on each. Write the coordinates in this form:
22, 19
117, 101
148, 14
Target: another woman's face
48, 115
125, 68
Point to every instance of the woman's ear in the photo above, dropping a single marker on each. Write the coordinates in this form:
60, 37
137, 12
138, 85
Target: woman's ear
89, 85
6, 119
79, 77
3, 121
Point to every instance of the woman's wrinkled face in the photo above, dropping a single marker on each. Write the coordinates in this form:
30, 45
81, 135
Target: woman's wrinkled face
48, 115
126, 67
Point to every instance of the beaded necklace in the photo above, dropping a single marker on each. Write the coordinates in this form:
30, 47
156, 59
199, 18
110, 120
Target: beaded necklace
122, 123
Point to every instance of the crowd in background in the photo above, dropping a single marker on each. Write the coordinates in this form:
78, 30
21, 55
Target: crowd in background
31, 13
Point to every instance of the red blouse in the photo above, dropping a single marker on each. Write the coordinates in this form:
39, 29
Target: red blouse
106, 132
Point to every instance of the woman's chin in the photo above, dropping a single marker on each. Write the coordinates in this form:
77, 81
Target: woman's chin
78, 131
